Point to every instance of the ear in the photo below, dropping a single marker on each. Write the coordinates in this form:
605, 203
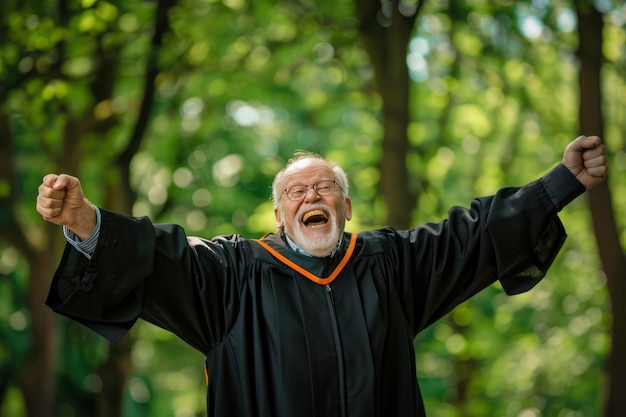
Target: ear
279, 219
348, 208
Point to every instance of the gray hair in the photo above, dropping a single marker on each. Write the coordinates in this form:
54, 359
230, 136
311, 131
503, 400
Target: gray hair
278, 186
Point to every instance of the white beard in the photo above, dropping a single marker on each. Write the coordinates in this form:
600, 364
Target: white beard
318, 244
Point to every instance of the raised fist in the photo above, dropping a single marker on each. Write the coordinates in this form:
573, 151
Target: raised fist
585, 158
61, 201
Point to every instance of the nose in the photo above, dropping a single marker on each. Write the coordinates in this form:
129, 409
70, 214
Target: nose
311, 195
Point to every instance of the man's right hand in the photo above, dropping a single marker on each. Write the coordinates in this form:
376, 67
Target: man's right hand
61, 201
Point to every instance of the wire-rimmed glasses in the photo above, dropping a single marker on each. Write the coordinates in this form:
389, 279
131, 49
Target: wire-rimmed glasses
322, 188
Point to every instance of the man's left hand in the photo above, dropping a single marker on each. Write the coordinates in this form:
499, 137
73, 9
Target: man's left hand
585, 158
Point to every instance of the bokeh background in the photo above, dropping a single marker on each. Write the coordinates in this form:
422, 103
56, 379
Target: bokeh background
183, 110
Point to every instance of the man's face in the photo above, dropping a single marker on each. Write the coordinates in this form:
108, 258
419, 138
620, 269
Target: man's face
315, 223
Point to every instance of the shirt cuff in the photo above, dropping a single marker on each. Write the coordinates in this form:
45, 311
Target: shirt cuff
562, 186
88, 246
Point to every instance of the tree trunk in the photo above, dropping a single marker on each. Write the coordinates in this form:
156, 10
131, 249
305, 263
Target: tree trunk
612, 257
386, 30
37, 380
120, 197
114, 373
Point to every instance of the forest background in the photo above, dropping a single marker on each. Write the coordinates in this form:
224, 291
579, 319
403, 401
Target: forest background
183, 110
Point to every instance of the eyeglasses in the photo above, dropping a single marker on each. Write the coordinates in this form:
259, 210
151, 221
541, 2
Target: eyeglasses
322, 188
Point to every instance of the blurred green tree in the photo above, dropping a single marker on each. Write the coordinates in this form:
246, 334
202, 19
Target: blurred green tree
184, 110
591, 30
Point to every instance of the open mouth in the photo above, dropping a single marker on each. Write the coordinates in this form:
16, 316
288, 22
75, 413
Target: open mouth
315, 218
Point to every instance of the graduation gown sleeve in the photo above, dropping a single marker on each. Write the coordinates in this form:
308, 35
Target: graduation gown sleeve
512, 236
154, 272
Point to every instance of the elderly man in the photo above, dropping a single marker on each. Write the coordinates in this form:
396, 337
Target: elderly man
312, 321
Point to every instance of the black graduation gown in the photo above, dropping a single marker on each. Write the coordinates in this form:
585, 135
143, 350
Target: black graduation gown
279, 344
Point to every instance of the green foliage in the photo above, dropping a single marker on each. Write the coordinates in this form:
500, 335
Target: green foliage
13, 325
243, 85
502, 119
